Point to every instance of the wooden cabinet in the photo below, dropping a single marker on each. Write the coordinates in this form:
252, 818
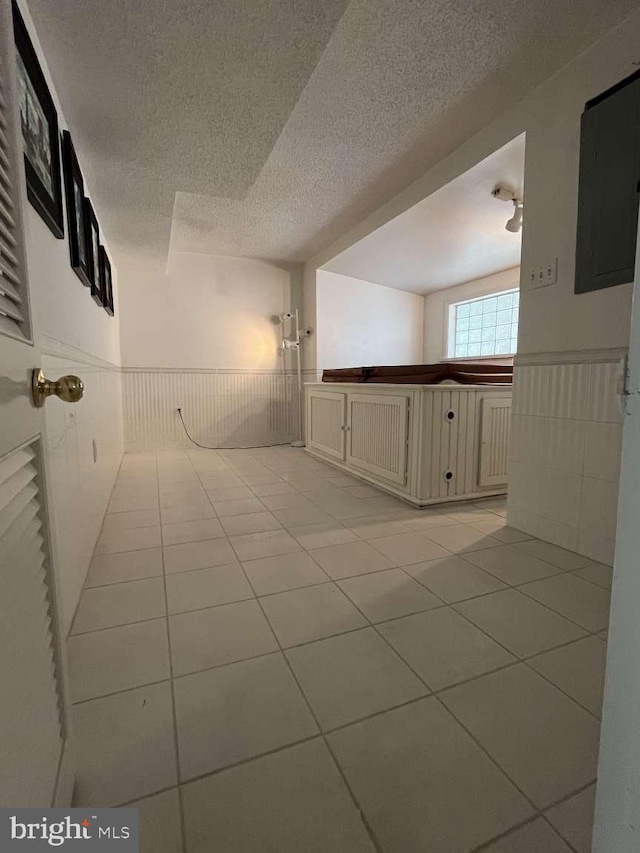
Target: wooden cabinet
426, 444
609, 188
378, 435
326, 425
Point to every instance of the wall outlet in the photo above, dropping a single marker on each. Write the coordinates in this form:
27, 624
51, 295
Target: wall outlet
545, 274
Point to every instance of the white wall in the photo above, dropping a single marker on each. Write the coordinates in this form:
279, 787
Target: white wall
206, 312
360, 323
75, 335
436, 309
203, 336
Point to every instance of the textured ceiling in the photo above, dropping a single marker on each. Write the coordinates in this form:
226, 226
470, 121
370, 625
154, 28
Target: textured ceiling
266, 128
456, 234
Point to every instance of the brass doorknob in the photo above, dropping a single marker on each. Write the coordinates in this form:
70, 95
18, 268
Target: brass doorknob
68, 388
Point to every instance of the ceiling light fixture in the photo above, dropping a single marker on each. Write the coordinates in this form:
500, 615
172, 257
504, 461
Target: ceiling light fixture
505, 193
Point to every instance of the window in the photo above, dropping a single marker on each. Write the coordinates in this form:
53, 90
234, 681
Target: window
485, 326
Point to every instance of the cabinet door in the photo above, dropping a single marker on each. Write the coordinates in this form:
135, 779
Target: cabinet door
494, 441
609, 185
326, 423
378, 434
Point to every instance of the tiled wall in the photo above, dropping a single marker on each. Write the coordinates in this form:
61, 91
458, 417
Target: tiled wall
79, 486
221, 407
566, 440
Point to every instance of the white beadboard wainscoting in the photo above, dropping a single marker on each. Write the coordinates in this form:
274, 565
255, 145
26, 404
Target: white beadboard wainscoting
79, 481
220, 407
566, 442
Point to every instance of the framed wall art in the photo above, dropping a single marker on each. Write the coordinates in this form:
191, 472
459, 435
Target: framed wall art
107, 282
39, 126
77, 226
92, 230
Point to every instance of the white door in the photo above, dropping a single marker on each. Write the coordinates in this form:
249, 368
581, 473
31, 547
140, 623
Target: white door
326, 422
378, 435
34, 765
617, 821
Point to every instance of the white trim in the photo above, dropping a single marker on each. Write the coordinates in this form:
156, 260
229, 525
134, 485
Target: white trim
586, 356
60, 349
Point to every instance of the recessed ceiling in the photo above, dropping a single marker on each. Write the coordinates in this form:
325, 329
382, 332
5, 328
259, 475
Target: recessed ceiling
455, 235
267, 128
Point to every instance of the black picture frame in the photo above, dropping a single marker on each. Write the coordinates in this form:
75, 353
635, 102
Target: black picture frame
93, 251
76, 223
39, 126
107, 282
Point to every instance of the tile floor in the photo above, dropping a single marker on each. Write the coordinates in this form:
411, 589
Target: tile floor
269, 655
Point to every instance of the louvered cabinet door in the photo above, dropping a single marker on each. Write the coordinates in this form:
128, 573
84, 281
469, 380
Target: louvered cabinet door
326, 423
494, 441
378, 435
31, 728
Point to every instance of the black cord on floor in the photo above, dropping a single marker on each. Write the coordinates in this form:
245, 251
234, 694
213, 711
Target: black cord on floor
243, 447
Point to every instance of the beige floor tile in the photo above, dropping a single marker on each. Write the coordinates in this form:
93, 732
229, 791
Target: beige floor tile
270, 543
574, 819
119, 604
254, 522
267, 478
577, 599
459, 538
236, 712
183, 497
118, 521
563, 559
517, 622
368, 528
545, 742
269, 489
132, 565
197, 555
221, 480
133, 504
511, 565
206, 588
159, 823
535, 837
207, 638
454, 579
352, 558
292, 801
295, 516
412, 767
497, 528
408, 548
174, 514
134, 539
286, 500
303, 615
284, 572
241, 507
234, 493
363, 491
578, 670
388, 594
323, 534
598, 574
443, 648
124, 746
427, 519
115, 659
352, 676
191, 531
